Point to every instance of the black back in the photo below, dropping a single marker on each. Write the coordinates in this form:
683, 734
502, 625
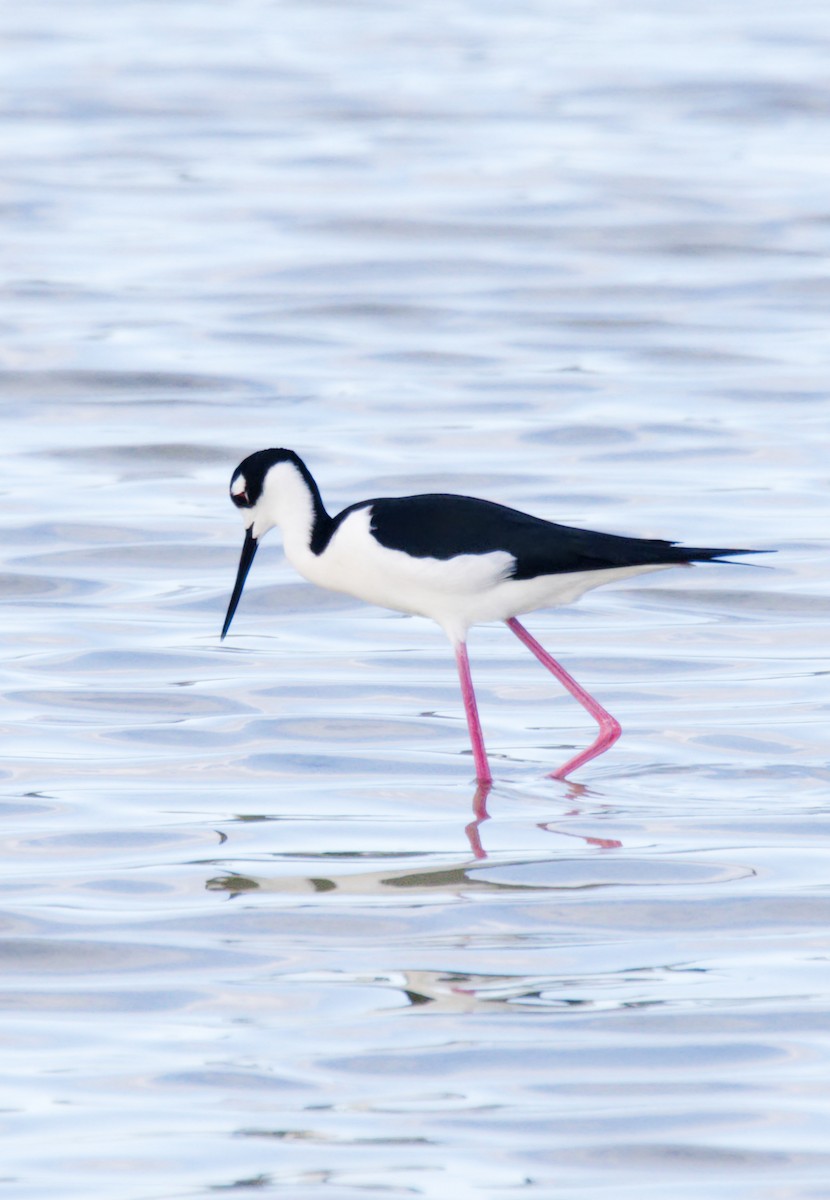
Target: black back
444, 526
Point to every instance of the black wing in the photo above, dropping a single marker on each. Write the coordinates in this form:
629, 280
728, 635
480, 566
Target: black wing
444, 526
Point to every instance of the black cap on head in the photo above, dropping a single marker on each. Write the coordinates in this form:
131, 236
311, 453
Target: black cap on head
252, 471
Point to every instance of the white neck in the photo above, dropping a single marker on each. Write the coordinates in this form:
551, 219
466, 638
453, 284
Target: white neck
292, 502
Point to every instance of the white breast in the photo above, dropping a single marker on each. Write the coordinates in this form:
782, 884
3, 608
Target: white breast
356, 563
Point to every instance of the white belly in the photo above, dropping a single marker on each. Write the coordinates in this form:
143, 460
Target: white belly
456, 593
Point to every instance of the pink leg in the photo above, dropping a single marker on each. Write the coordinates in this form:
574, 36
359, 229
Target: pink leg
471, 709
609, 728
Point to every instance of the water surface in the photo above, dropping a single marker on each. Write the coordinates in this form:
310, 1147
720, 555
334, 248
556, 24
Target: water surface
254, 937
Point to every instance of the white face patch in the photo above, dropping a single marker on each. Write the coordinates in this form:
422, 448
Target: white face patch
239, 486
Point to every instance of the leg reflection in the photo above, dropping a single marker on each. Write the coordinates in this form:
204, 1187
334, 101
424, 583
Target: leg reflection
480, 815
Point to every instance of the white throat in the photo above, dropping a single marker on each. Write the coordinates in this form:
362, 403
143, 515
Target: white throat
286, 501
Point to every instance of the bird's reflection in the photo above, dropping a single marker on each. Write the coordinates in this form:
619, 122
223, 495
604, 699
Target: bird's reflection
480, 815
576, 791
602, 843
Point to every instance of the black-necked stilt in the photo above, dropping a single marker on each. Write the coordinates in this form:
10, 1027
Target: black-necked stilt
455, 559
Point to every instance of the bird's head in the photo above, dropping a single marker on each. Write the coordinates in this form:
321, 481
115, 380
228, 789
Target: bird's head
257, 488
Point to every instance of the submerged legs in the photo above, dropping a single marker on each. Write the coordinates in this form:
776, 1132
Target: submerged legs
609, 728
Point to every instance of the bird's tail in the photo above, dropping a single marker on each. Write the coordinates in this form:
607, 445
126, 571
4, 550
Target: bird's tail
692, 554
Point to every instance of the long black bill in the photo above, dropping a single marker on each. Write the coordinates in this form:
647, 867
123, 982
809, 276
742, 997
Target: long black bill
248, 551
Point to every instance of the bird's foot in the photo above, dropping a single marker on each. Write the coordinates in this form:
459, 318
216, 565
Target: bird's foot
609, 730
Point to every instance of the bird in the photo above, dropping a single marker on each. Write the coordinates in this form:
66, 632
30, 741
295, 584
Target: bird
456, 559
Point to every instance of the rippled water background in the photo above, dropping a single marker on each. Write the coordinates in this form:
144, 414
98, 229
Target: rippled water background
573, 257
